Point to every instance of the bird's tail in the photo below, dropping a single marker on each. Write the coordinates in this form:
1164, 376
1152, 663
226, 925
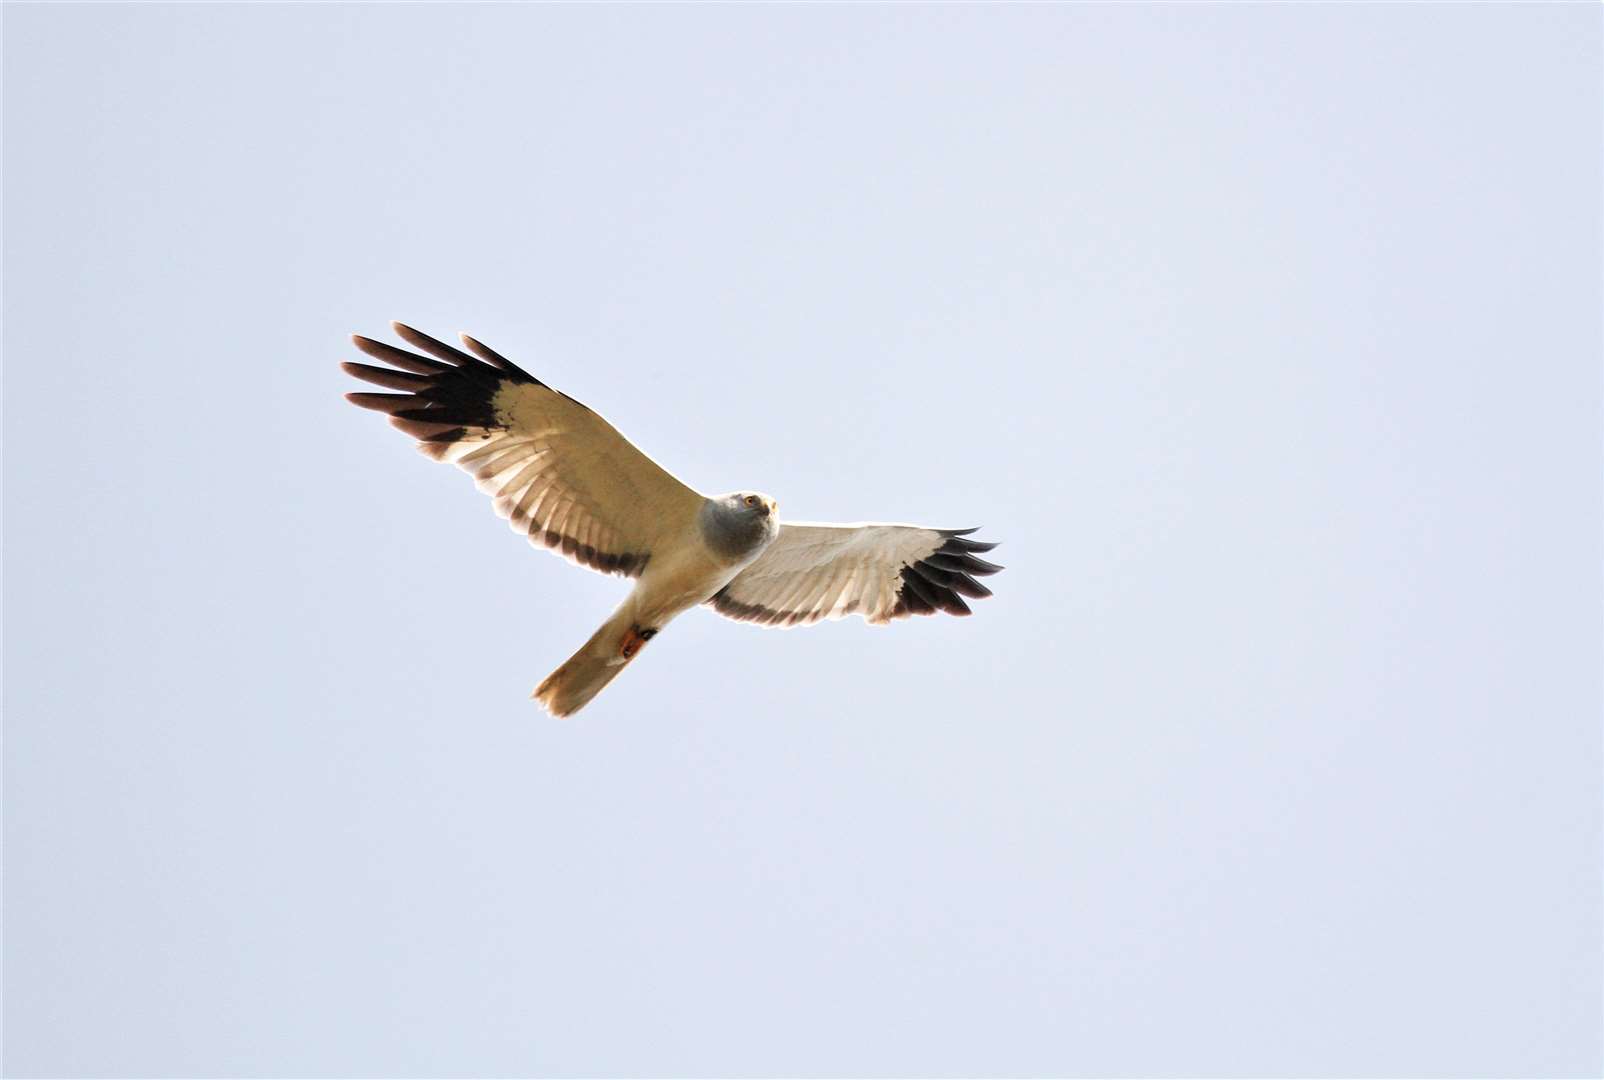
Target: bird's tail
596, 664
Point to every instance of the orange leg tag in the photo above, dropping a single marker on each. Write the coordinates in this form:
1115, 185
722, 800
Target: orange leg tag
634, 638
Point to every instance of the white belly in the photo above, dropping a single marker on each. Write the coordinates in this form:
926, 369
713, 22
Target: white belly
678, 581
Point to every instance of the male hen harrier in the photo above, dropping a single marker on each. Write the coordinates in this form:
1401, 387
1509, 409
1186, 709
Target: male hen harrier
566, 479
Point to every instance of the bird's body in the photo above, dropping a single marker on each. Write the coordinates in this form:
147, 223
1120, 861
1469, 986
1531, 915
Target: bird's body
703, 558
569, 481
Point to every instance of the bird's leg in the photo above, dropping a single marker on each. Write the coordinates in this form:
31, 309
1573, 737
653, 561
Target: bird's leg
634, 638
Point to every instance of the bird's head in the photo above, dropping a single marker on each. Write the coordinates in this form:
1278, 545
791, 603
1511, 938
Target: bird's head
752, 504
740, 525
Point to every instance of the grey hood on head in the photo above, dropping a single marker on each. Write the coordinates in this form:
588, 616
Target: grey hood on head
735, 531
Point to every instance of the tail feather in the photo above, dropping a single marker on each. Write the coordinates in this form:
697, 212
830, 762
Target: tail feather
584, 674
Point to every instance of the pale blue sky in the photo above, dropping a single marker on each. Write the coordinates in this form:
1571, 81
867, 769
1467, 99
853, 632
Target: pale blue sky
1266, 339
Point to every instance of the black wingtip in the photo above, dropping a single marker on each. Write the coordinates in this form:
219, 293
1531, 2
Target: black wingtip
385, 403
496, 360
474, 345
955, 541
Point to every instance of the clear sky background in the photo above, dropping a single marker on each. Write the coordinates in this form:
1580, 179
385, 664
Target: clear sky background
1267, 340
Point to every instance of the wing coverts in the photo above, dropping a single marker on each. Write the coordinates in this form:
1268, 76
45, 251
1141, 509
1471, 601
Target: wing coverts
558, 472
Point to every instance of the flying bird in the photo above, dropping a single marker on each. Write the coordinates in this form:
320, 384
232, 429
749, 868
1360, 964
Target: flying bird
566, 479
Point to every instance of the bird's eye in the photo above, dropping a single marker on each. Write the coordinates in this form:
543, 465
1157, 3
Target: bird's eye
751, 500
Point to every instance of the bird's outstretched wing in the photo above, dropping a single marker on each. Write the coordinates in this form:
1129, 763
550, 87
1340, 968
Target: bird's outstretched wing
881, 572
559, 473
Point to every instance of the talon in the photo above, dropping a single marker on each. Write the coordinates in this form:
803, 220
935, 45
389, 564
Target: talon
634, 638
